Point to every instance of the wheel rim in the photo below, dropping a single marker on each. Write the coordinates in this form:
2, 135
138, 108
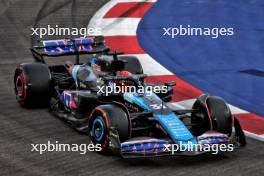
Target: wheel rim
19, 86
98, 129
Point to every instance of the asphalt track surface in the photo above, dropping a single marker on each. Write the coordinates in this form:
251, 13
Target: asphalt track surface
21, 127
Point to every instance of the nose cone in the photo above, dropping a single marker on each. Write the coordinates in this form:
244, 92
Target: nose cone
175, 128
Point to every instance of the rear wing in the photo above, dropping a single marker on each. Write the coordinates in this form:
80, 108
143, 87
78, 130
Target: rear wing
62, 47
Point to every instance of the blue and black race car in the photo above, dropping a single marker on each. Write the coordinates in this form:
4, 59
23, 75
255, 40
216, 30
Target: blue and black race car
132, 124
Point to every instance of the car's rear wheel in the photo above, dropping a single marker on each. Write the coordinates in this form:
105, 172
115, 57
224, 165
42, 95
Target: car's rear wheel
32, 84
213, 114
105, 117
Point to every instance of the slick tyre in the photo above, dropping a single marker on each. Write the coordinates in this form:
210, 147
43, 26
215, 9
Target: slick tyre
32, 84
102, 119
213, 114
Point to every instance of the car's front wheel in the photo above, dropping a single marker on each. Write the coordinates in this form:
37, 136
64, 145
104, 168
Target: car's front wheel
105, 117
212, 113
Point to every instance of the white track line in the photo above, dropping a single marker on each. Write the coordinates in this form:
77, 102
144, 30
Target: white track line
150, 66
254, 136
98, 16
102, 11
118, 26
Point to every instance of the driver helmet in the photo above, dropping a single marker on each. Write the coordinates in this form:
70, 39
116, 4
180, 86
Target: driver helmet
124, 83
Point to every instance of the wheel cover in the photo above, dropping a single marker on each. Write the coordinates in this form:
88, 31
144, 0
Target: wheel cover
20, 86
98, 129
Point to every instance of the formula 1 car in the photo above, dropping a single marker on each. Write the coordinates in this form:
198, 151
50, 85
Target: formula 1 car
131, 124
